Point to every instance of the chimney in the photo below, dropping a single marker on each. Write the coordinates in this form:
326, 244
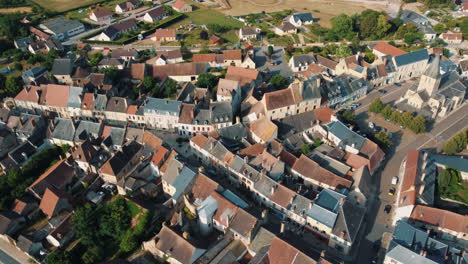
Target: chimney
283, 227
322, 253
341, 201
185, 235
33, 123
246, 159
25, 156
237, 119
272, 189
265, 214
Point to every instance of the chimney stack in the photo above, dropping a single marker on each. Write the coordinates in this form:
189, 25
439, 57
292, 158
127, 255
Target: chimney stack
283, 227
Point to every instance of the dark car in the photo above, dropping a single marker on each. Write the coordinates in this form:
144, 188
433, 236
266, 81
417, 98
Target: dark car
382, 91
387, 209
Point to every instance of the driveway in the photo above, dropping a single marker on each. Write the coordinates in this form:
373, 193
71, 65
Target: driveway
281, 65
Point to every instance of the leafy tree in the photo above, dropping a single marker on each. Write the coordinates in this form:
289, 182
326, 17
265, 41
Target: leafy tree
376, 106
396, 116
95, 59
92, 255
457, 143
217, 28
342, 26
369, 57
406, 119
170, 88
204, 51
10, 26
406, 29
367, 24
383, 139
343, 51
387, 111
85, 225
269, 52
128, 242
418, 125
279, 82
18, 66
439, 28
438, 42
383, 26
410, 38
305, 149
112, 73
148, 83
59, 257
207, 80
348, 116
13, 85
186, 53
204, 35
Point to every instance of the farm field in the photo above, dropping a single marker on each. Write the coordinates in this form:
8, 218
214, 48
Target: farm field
24, 9
324, 10
63, 5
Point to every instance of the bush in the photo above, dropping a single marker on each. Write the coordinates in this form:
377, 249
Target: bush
376, 106
348, 116
305, 149
383, 139
457, 143
279, 82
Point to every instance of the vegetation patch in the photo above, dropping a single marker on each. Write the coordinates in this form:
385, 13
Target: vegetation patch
457, 143
450, 185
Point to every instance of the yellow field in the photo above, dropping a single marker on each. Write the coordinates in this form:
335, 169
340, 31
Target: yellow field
63, 5
24, 9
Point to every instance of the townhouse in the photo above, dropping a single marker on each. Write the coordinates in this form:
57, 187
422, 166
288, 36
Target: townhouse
160, 113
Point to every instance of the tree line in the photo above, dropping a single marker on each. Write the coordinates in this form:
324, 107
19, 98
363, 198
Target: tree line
457, 143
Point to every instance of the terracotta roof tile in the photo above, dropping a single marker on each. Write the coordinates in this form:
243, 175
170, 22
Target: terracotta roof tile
151, 139
452, 36
159, 156
102, 12
282, 196
388, 49
57, 95
288, 158
88, 101
241, 74
264, 128
252, 151
169, 241
29, 94
278, 99
138, 71
200, 140
440, 218
164, 33
324, 114
326, 62
281, 252
178, 4
226, 210
203, 187
187, 114
50, 201
58, 175
232, 55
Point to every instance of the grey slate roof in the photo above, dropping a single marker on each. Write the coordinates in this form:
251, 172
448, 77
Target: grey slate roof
413, 17
100, 102
300, 205
74, 99
221, 112
264, 185
87, 129
262, 238
18, 154
302, 60
64, 129
326, 207
34, 72
311, 89
295, 124
350, 218
304, 17
330, 163
23, 43
426, 29
62, 67
346, 135
433, 70
404, 255
456, 162
62, 25
162, 107
182, 181
411, 57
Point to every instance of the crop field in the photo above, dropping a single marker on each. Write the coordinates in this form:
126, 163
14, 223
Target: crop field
63, 5
24, 9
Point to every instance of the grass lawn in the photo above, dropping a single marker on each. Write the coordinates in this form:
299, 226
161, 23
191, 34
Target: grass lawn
85, 11
63, 5
134, 209
204, 16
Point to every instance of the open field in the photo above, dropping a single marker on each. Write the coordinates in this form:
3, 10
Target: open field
321, 9
63, 5
24, 9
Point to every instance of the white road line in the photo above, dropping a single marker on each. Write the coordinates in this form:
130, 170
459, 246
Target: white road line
453, 123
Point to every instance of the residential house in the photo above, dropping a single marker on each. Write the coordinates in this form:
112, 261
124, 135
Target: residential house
229, 91
286, 28
263, 130
215, 40
228, 58
248, 33
63, 28
452, 38
177, 179
328, 64
87, 130
299, 63
204, 120
126, 6
111, 63
40, 35
409, 16
162, 114
248, 78
299, 97
382, 48
116, 109
343, 89
124, 54
122, 163
62, 131
101, 16
114, 31
301, 19
169, 246
182, 72
155, 15
428, 32
26, 206
29, 96
54, 202
410, 65
36, 75
28, 245
164, 34
181, 6
23, 43
281, 251
83, 154
56, 99
463, 67
62, 233
57, 177
166, 57
62, 70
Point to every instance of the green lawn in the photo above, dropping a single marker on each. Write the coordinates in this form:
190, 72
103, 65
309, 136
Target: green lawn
64, 5
85, 11
134, 209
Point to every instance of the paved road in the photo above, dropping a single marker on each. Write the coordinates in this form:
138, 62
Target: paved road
378, 222
6, 259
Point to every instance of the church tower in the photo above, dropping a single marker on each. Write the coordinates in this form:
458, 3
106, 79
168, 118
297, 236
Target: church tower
430, 80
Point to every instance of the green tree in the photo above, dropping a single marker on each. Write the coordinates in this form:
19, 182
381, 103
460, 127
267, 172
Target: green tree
207, 80
383, 139
457, 143
410, 38
95, 59
376, 106
128, 242
13, 85
343, 51
305, 149
170, 88
348, 116
204, 35
18, 66
342, 26
148, 83
383, 26
279, 82
92, 255
406, 119
368, 24
85, 225
396, 116
418, 125
387, 111
269, 52
439, 28
112, 73
59, 257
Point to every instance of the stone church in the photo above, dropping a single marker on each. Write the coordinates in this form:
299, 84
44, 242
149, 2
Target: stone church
436, 95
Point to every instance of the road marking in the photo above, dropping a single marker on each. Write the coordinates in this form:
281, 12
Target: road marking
453, 123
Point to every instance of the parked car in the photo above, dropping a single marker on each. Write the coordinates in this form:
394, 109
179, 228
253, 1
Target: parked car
382, 91
394, 180
397, 84
387, 209
391, 191
371, 125
388, 119
356, 104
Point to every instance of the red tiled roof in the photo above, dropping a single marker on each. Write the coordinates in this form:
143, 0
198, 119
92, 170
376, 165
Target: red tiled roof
239, 73
158, 157
264, 128
222, 212
57, 95
102, 12
209, 57
281, 252
132, 109
452, 36
252, 151
203, 187
199, 140
19, 206
138, 71
169, 241
29, 94
232, 55
178, 4
288, 158
324, 114
164, 33
50, 201
410, 180
88, 101
282, 196
373, 153
151, 139
440, 218
387, 49
279, 99
326, 62
58, 175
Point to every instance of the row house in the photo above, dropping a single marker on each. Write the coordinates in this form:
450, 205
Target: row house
299, 97
410, 65
344, 88
161, 113
227, 58
122, 163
